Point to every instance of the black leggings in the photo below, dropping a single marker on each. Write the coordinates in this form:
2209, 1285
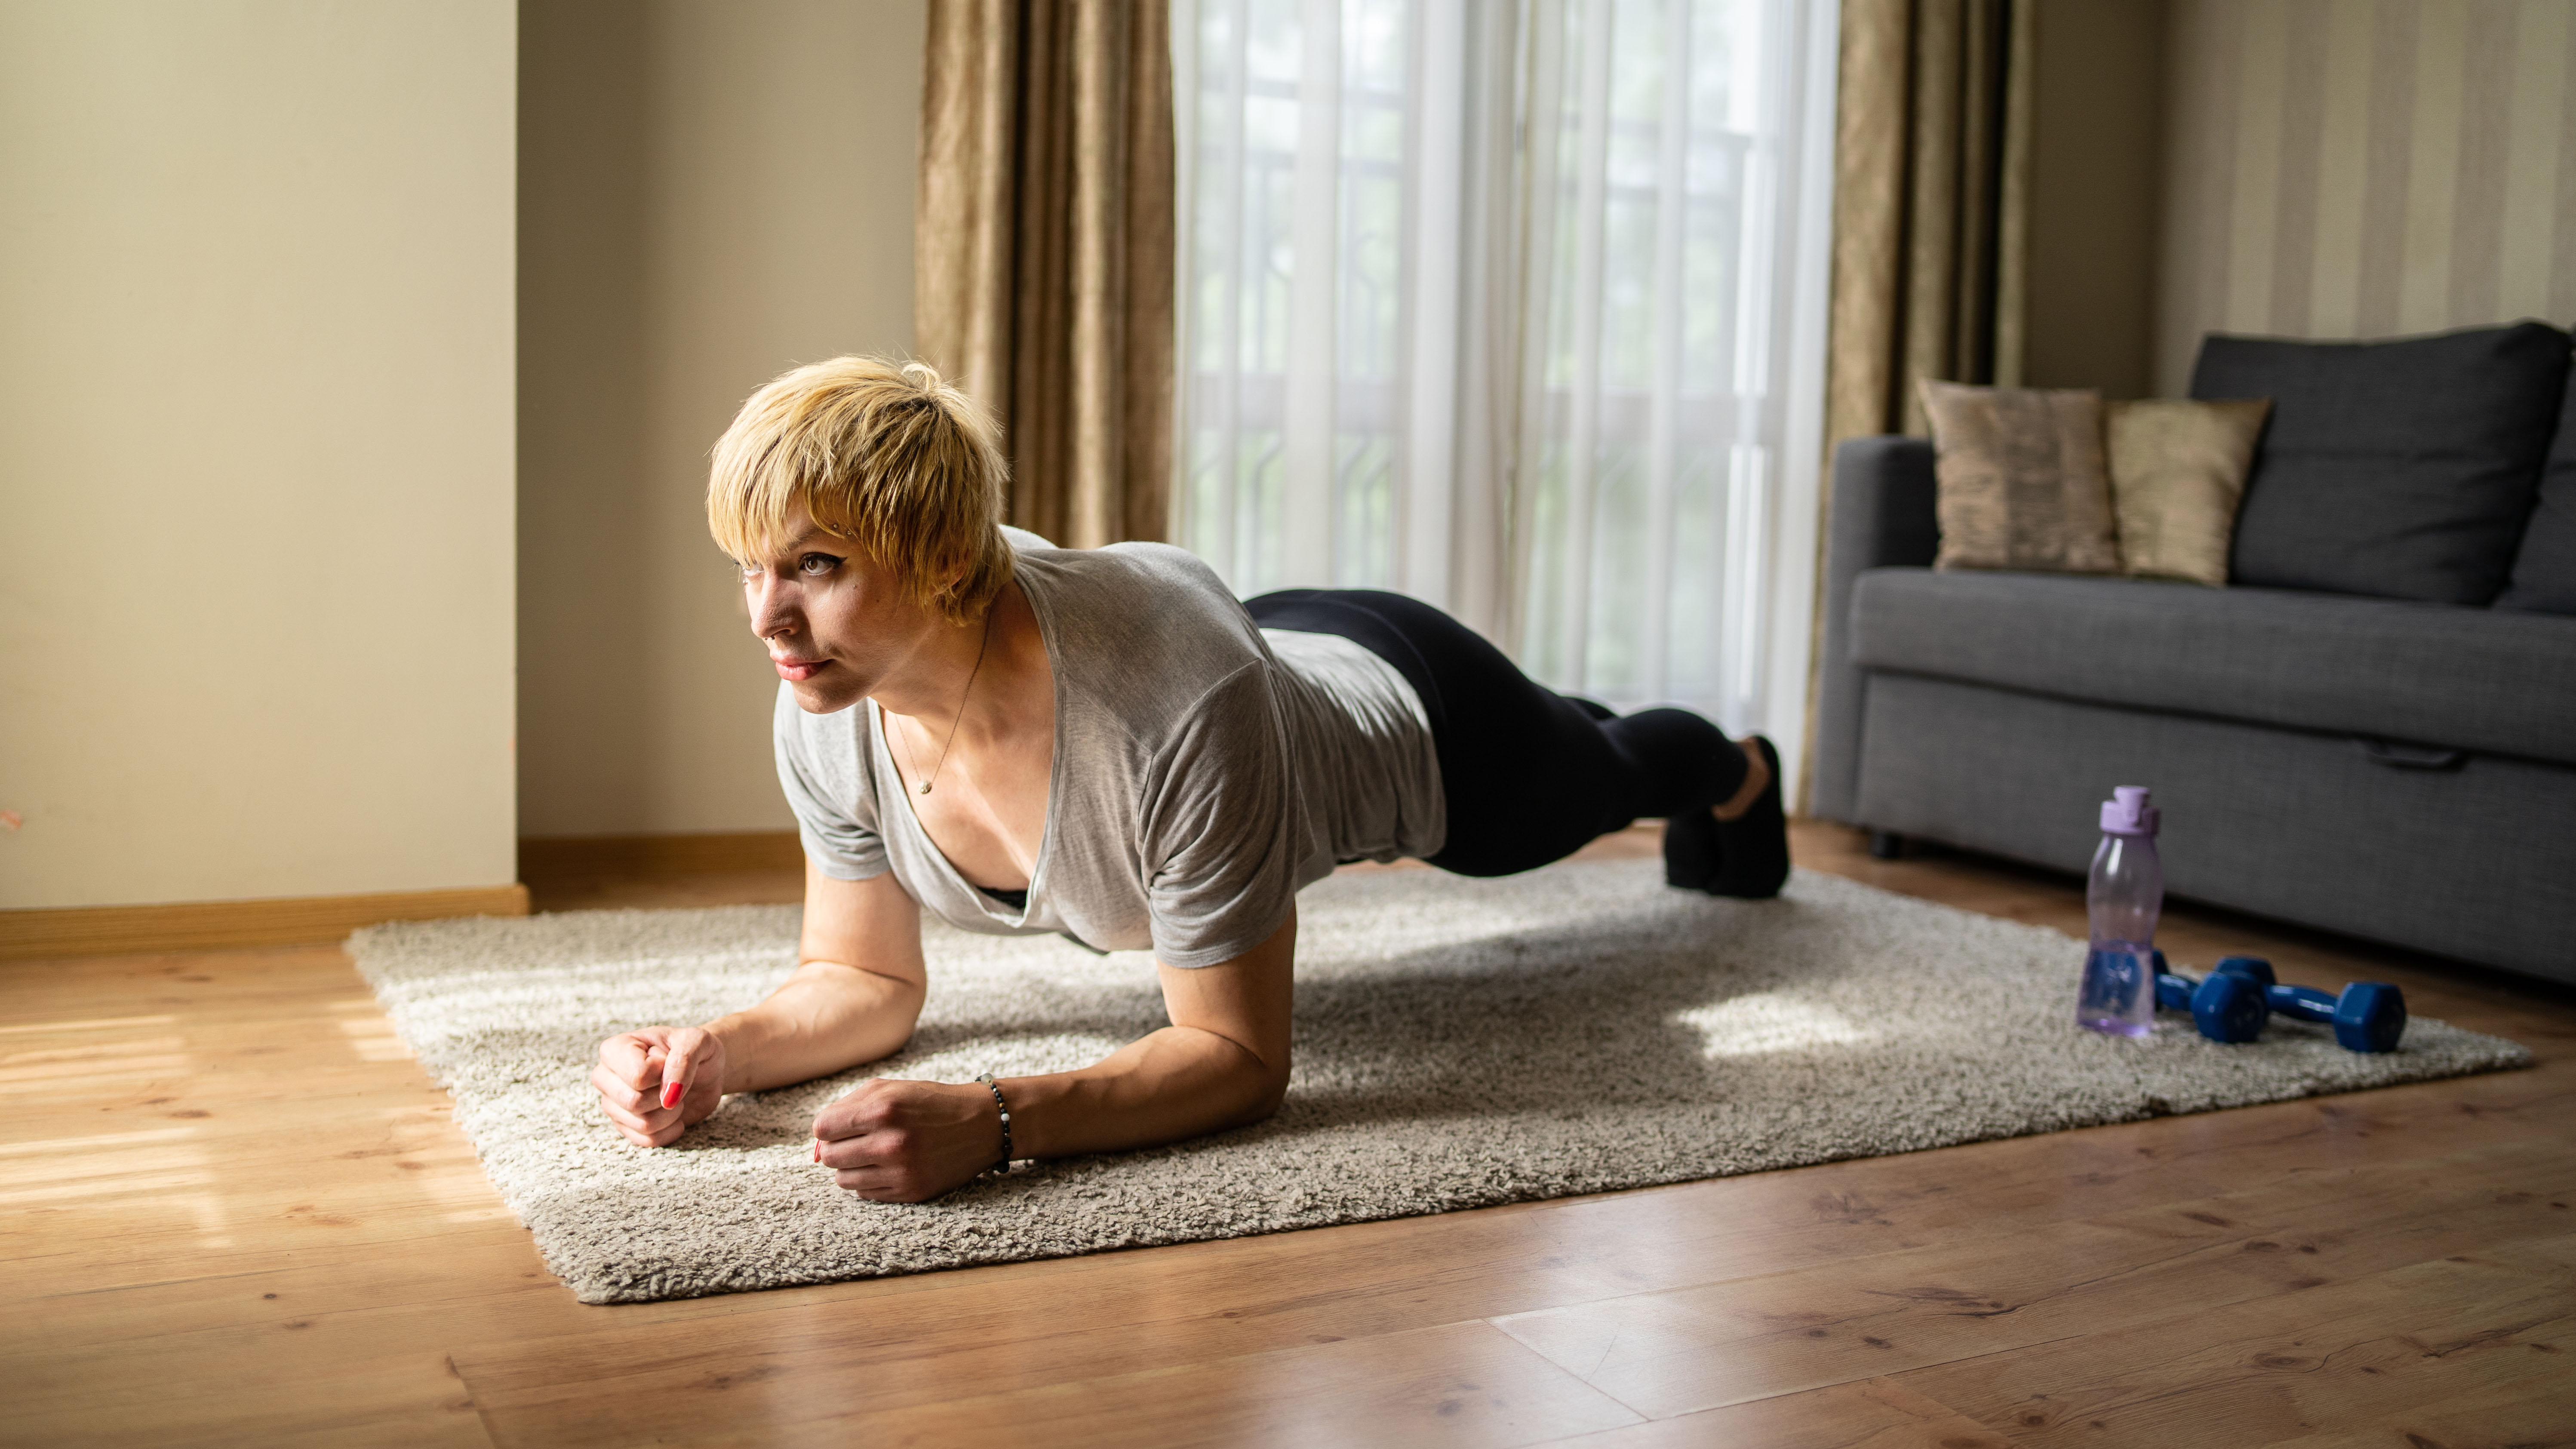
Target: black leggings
1529, 774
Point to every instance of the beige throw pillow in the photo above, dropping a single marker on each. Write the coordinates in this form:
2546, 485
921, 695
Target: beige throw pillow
2177, 473
2021, 479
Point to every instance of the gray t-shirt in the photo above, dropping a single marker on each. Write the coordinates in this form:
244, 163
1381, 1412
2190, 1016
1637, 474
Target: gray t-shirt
1205, 770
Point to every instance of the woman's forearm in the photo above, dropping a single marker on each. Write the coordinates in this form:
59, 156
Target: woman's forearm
1174, 1083
1223, 1062
826, 1018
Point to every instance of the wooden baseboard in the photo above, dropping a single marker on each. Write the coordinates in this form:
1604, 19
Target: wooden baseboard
27, 935
555, 857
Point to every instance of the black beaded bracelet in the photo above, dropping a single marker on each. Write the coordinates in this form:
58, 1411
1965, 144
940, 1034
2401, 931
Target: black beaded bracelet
996, 1089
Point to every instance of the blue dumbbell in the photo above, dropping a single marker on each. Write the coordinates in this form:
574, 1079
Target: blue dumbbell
2369, 1016
2227, 1006
2252, 968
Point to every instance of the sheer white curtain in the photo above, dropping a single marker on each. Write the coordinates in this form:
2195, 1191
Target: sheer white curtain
1516, 307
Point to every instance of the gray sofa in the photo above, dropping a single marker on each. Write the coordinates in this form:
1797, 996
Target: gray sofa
2401, 769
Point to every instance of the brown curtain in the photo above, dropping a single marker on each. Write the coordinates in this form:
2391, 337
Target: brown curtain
1932, 154
1931, 186
1042, 249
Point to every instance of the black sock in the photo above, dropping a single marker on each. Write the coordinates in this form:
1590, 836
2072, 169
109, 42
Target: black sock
1753, 848
1690, 850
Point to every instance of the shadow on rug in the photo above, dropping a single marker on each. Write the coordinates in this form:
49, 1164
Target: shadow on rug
1460, 1043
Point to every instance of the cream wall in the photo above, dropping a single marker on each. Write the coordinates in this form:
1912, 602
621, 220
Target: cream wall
2364, 168
709, 195
255, 448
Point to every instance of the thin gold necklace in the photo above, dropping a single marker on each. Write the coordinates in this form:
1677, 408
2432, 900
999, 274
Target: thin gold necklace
908, 764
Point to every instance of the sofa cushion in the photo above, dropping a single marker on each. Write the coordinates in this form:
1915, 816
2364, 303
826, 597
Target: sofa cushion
2544, 572
2433, 674
2022, 480
2177, 474
2401, 469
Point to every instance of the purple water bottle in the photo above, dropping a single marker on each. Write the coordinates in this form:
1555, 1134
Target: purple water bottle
2124, 897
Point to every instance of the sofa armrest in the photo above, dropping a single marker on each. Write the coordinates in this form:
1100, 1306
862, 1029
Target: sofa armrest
1882, 516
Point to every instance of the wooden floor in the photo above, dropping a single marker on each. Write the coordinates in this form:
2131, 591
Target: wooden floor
235, 1212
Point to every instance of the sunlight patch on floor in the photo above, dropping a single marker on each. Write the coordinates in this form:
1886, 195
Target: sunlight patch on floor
103, 1024
121, 1185
112, 1139
374, 1039
120, 1172
134, 1169
1770, 1021
140, 1166
67, 1068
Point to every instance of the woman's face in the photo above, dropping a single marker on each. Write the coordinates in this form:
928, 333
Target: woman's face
836, 624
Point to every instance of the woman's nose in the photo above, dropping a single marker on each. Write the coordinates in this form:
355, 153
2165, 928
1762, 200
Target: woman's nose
772, 607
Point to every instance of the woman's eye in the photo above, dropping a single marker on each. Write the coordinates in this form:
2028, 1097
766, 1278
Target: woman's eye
815, 565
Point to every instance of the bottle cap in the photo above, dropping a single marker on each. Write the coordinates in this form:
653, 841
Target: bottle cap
2128, 813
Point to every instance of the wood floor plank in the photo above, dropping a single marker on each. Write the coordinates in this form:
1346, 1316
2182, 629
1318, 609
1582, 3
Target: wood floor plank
361, 1302
1680, 1351
2521, 1414
1864, 1414
2347, 1358
322, 1397
1460, 1384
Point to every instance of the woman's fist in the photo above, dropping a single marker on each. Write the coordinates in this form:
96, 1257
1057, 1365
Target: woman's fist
655, 1081
899, 1141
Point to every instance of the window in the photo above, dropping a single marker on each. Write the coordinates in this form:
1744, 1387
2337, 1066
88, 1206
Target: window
1516, 307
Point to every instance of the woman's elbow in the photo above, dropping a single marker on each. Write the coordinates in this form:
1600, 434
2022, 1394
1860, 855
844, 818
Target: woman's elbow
1269, 1092
1268, 1104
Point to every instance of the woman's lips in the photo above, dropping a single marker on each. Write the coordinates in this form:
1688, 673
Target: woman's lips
797, 671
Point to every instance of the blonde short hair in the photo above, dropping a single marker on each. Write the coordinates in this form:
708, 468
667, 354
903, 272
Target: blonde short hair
884, 455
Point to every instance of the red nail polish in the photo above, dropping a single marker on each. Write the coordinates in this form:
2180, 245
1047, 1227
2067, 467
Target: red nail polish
818, 1149
672, 1092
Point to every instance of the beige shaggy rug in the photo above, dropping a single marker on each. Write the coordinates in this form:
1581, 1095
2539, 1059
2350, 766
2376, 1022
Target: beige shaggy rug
1459, 1043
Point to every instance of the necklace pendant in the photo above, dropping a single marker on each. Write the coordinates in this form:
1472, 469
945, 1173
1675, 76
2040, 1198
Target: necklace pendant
925, 787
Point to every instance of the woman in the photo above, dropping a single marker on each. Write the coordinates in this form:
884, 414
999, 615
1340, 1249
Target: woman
1104, 743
